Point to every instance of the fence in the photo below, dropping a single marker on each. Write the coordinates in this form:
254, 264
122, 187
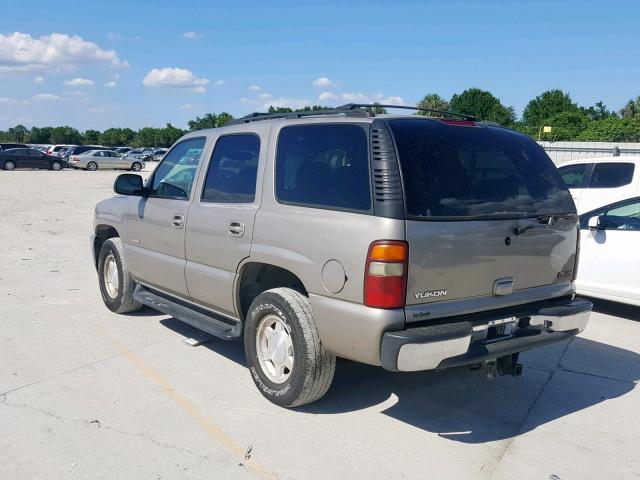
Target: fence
561, 152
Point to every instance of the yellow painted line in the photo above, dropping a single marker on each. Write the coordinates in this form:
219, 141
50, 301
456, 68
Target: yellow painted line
189, 408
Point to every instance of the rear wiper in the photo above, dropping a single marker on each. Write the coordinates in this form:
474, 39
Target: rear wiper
543, 221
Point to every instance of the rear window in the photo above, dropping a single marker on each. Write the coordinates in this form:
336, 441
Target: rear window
461, 172
325, 166
611, 175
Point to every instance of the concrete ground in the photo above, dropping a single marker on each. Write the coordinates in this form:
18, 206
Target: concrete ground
85, 393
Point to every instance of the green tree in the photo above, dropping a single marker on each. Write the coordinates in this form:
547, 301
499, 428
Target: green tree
209, 120
432, 101
273, 109
167, 136
117, 136
552, 102
631, 109
599, 111
483, 105
568, 125
66, 135
612, 129
19, 133
223, 118
147, 137
91, 137
40, 135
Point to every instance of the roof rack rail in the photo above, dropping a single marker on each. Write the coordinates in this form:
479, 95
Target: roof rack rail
355, 106
258, 116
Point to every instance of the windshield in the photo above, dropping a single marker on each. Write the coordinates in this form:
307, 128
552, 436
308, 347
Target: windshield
460, 172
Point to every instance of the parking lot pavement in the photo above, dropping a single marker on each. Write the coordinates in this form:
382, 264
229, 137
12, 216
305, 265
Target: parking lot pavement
85, 393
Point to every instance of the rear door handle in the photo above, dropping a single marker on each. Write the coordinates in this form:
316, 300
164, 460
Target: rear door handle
236, 229
178, 221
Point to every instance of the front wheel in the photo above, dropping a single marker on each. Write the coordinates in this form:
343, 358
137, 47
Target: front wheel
9, 165
56, 166
287, 361
116, 284
92, 166
136, 167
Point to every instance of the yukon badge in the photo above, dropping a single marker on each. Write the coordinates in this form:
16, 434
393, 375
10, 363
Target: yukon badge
430, 294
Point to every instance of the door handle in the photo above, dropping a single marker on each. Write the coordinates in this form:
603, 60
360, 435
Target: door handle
236, 229
178, 221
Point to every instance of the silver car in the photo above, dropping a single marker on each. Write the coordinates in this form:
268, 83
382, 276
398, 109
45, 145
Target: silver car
407, 242
104, 160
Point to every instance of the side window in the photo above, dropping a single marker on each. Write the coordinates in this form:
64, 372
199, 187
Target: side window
324, 166
573, 175
176, 173
611, 175
233, 169
623, 217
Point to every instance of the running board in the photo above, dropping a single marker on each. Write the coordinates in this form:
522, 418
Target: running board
209, 322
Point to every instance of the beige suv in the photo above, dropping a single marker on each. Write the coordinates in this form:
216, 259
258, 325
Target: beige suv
408, 242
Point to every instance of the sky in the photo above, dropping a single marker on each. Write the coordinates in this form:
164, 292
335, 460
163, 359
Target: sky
99, 64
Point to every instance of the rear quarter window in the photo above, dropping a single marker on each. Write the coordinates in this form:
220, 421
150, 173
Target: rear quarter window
324, 166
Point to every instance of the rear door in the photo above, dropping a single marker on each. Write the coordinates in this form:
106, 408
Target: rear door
575, 177
220, 222
481, 206
609, 182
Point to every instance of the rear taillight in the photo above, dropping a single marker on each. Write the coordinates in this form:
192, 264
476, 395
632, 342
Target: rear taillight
385, 276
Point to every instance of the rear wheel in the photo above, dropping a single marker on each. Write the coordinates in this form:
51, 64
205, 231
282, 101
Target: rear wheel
56, 166
136, 167
286, 359
116, 284
9, 165
92, 166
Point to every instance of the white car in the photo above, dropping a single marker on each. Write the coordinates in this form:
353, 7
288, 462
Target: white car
595, 182
609, 264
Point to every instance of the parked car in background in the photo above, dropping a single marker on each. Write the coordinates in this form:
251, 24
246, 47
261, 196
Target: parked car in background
79, 149
7, 146
54, 150
158, 154
28, 158
609, 252
103, 160
595, 182
122, 150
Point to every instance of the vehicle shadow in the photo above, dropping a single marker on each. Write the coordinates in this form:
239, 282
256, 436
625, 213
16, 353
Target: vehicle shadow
464, 405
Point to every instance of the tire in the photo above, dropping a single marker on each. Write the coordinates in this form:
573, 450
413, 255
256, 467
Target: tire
136, 167
120, 299
312, 367
56, 166
9, 165
92, 166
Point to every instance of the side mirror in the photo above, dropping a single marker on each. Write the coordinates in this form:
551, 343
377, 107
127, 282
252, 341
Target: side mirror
129, 184
595, 223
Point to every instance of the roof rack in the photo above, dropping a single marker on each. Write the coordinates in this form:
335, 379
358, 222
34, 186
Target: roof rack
354, 106
349, 110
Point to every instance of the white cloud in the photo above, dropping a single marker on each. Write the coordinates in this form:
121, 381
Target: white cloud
46, 97
96, 109
375, 98
326, 96
175, 78
76, 93
192, 35
79, 82
264, 96
219, 83
286, 102
114, 36
187, 106
20, 53
7, 100
38, 80
323, 82
111, 84
255, 88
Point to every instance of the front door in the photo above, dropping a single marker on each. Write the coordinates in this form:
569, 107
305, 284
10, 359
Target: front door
156, 223
608, 262
220, 223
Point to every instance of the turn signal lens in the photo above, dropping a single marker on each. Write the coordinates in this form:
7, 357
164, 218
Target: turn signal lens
385, 280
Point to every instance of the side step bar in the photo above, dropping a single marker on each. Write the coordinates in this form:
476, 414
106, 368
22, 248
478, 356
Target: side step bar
204, 320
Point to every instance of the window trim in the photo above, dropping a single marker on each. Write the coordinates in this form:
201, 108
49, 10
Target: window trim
153, 175
201, 199
366, 128
593, 170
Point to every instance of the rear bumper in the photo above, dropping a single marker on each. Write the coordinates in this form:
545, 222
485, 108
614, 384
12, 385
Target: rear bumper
466, 342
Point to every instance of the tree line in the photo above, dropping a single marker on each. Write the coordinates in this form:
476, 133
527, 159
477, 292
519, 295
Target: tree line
553, 108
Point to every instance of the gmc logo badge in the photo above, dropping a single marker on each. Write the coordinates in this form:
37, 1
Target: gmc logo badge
430, 294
